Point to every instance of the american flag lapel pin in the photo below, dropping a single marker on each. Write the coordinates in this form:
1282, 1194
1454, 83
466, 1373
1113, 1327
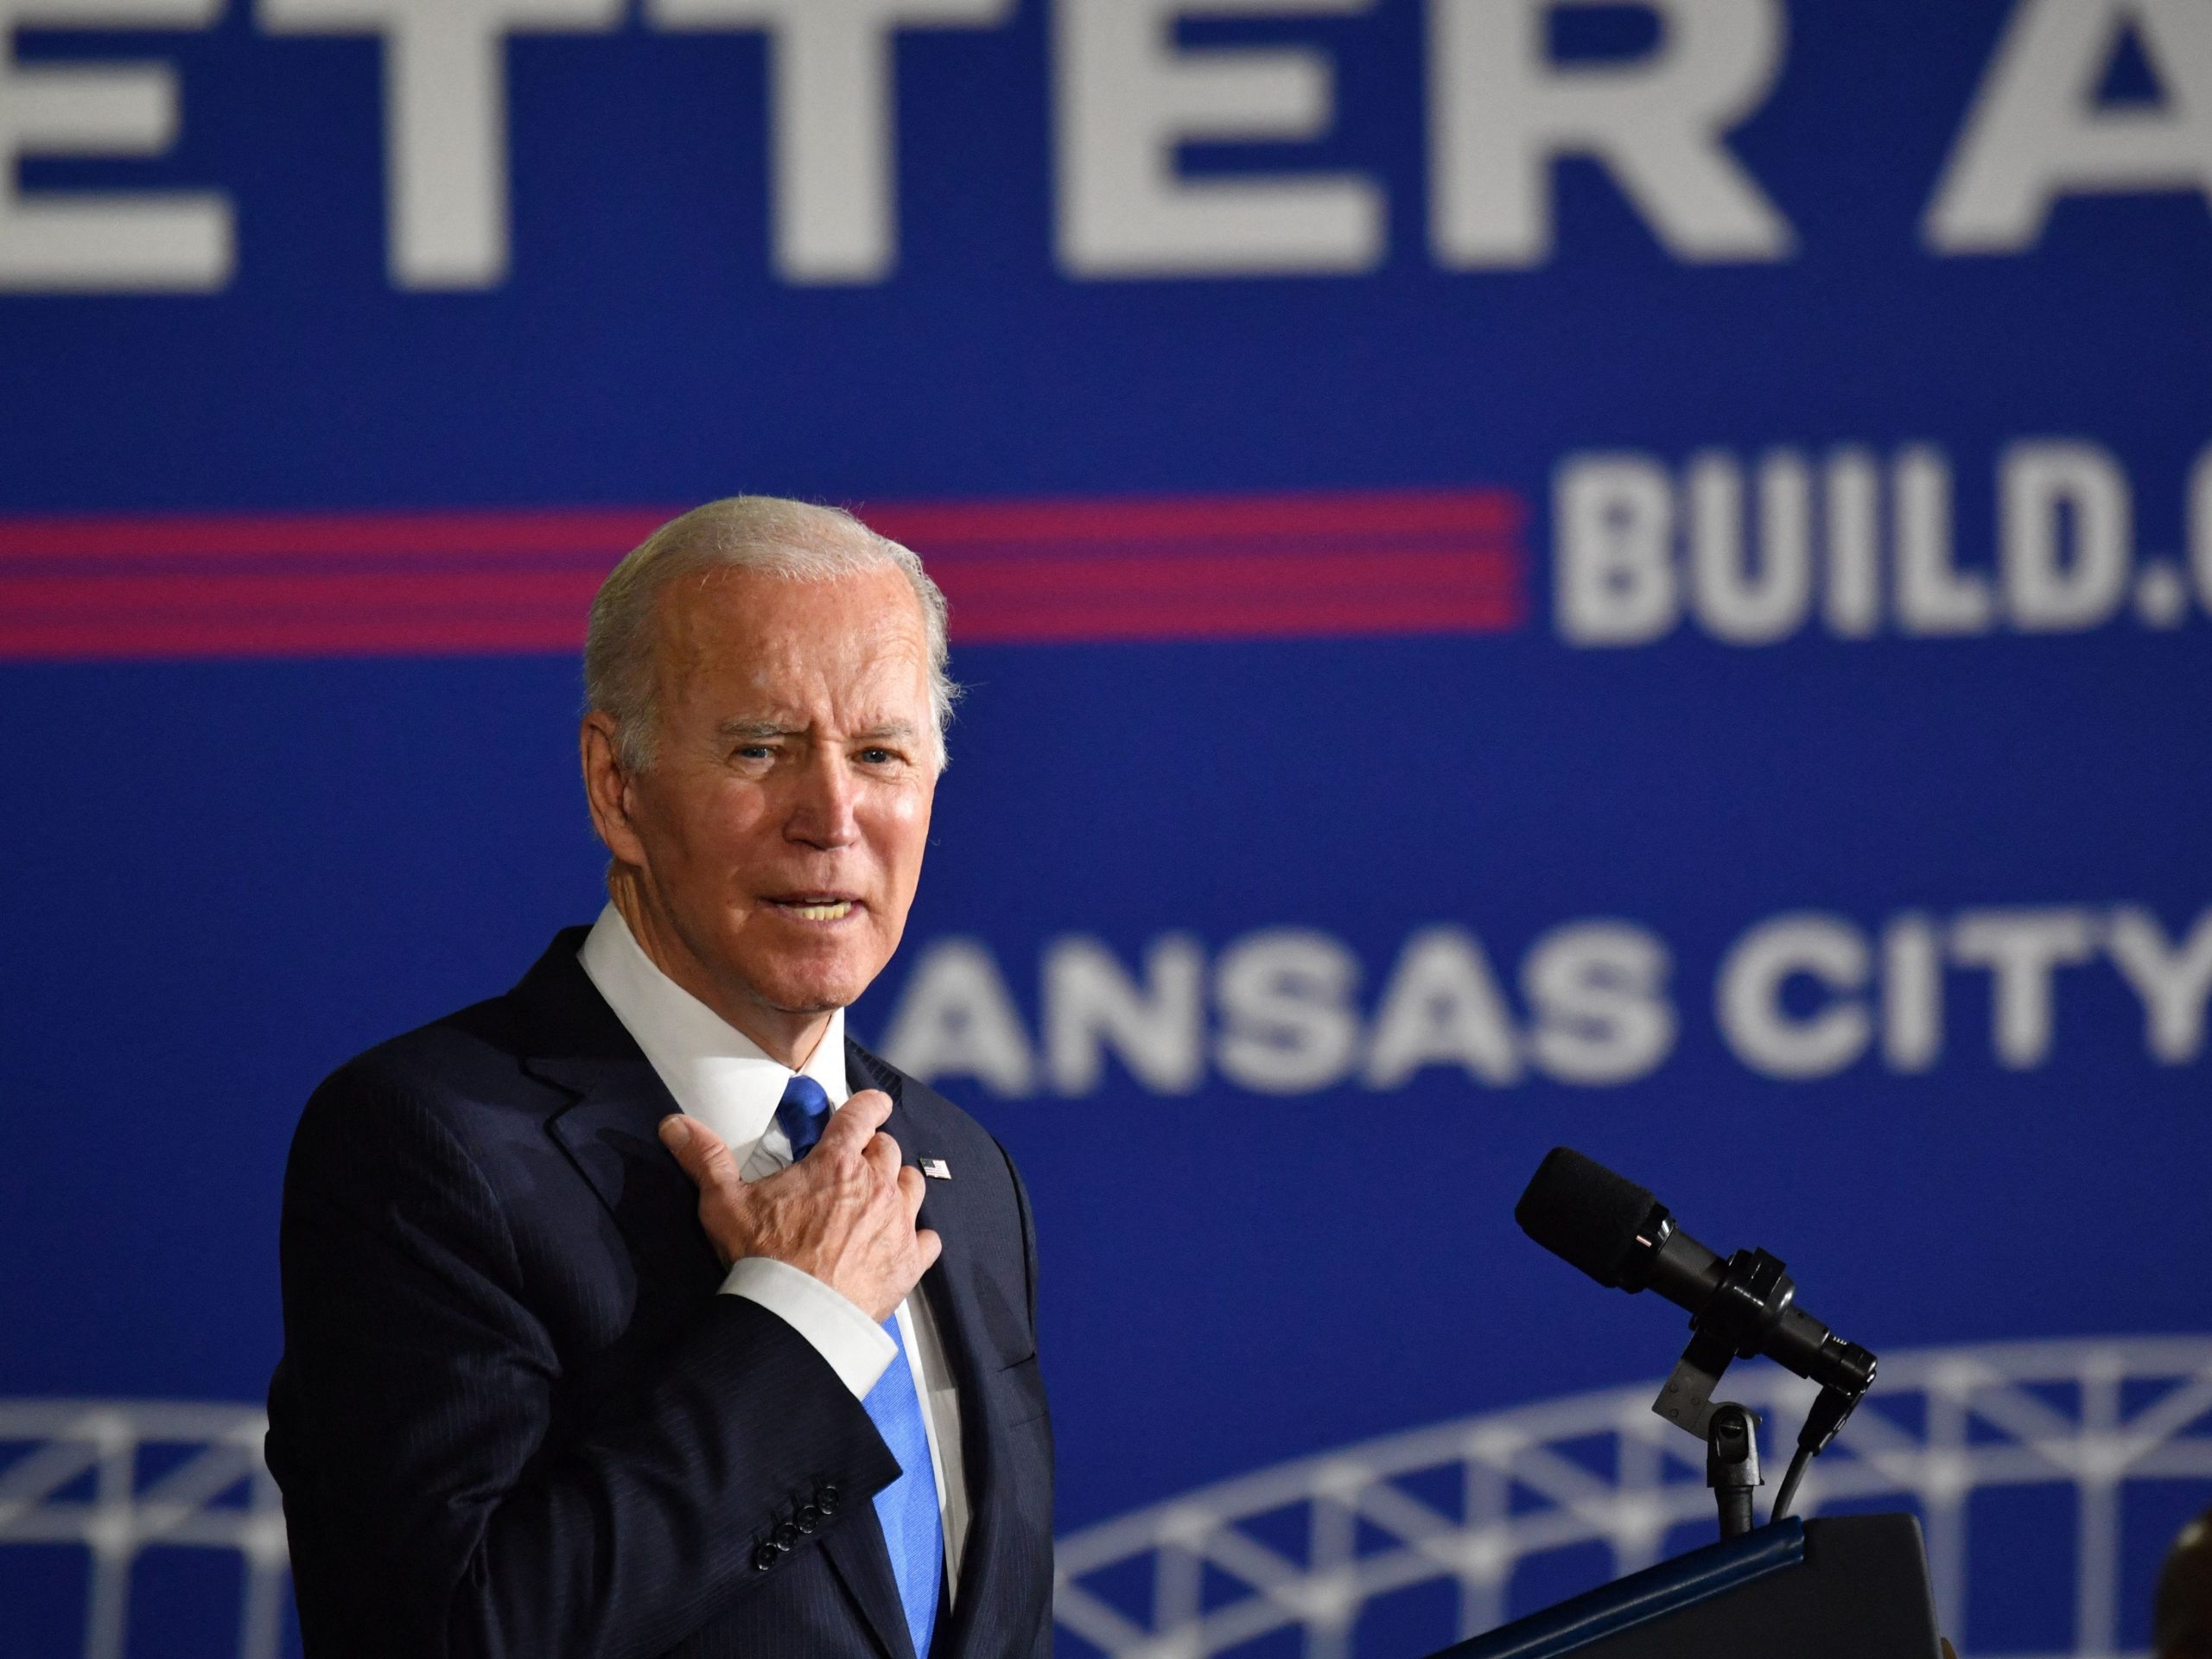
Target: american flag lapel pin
937, 1169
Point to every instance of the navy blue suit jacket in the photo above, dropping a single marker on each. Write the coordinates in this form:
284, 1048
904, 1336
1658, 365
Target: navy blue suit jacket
514, 1418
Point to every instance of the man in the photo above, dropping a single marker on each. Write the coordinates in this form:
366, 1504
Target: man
638, 1311
2181, 1612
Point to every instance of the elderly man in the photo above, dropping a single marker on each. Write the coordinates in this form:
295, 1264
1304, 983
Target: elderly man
601, 1336
2181, 1612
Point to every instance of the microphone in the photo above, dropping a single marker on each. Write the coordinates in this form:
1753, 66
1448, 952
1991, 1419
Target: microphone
1622, 1236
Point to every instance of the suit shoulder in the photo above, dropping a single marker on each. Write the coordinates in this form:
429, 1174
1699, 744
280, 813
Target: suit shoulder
477, 1055
472, 1046
440, 1081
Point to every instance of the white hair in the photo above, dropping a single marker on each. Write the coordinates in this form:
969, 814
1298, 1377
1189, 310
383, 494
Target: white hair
794, 539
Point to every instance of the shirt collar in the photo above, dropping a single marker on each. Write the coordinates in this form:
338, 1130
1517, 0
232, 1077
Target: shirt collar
715, 1072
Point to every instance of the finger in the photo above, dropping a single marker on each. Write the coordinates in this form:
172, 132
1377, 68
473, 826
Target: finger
929, 1247
882, 1156
699, 1150
853, 1123
911, 1187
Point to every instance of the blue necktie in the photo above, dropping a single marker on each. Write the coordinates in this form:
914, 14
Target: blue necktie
907, 1507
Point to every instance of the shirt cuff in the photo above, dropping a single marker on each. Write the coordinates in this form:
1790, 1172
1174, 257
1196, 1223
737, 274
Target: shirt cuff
858, 1349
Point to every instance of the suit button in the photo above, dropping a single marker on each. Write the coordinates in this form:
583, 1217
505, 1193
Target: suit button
808, 1518
787, 1535
764, 1558
826, 1500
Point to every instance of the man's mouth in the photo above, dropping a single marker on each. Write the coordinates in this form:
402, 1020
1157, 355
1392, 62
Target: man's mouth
815, 906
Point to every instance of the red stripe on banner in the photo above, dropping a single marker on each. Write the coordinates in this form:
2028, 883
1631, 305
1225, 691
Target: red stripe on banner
1467, 512
451, 583
530, 533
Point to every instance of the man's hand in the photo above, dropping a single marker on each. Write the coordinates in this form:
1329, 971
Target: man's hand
844, 1213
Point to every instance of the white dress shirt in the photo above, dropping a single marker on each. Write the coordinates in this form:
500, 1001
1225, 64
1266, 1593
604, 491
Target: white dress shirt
719, 1076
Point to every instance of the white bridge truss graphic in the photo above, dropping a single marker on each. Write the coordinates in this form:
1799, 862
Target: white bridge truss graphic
115, 1479
1940, 1424
160, 1473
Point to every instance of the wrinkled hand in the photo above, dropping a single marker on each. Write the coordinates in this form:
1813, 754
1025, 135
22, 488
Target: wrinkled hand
845, 1212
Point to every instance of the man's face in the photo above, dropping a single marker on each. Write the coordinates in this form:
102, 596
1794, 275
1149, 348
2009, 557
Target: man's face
782, 822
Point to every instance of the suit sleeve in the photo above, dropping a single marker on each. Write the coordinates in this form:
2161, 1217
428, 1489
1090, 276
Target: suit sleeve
1040, 1638
1028, 1238
449, 1513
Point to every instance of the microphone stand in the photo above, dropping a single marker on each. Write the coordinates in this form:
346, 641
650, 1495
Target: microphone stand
1753, 1292
1732, 1464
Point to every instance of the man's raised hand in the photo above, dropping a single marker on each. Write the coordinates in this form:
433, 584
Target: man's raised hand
844, 1213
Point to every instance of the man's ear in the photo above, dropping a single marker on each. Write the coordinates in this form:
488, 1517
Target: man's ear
606, 788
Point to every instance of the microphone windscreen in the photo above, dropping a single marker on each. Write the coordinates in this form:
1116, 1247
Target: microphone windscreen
1580, 1210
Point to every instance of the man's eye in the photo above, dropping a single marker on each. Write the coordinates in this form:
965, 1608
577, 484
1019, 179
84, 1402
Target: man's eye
878, 757
754, 751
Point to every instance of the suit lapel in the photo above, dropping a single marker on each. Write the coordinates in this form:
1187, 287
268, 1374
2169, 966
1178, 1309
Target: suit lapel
946, 1285
858, 1552
610, 1131
949, 1288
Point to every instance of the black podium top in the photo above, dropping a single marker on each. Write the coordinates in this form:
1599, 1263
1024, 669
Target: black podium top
1851, 1588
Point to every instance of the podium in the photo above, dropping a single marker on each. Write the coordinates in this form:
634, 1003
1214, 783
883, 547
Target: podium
1844, 1587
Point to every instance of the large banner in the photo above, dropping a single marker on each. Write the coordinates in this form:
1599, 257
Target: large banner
1527, 572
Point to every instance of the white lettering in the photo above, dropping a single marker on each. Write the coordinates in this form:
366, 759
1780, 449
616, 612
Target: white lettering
1912, 994
954, 1018
1598, 990
833, 105
1501, 112
1614, 573
1287, 1024
2171, 981
1764, 1034
1852, 490
1127, 97
1442, 1006
1732, 601
1157, 1027
2045, 488
114, 241
2021, 949
2035, 132
1933, 595
445, 119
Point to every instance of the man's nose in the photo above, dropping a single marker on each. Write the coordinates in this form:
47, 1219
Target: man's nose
822, 807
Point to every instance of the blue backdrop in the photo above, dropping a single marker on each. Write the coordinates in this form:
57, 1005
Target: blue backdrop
1742, 714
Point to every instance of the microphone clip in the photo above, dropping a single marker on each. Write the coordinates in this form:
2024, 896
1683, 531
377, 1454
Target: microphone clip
1748, 1303
1737, 1320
